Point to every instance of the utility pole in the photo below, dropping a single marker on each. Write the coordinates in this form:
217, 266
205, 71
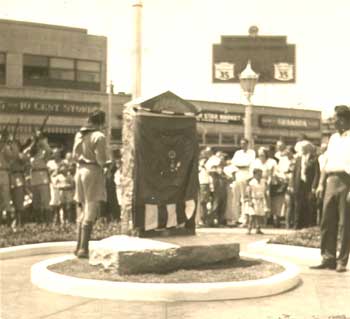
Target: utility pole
137, 49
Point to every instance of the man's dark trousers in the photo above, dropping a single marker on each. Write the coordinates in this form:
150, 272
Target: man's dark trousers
302, 212
336, 213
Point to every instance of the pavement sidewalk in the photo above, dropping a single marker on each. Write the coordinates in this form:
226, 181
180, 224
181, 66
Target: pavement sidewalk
322, 294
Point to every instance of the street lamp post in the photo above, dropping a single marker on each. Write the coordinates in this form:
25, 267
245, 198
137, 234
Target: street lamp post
248, 79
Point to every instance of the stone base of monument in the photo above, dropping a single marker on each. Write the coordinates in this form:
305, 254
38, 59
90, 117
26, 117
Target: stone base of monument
132, 255
165, 232
186, 229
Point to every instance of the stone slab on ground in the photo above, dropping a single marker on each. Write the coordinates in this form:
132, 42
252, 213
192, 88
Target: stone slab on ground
132, 255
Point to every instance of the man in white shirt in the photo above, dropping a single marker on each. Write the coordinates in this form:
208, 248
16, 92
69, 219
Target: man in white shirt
336, 202
322, 163
299, 144
243, 160
322, 156
281, 150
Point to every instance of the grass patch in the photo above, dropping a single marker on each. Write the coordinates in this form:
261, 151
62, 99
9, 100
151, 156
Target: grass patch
308, 237
40, 233
231, 270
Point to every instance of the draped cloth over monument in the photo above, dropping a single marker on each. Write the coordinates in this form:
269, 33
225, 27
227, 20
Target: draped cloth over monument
166, 166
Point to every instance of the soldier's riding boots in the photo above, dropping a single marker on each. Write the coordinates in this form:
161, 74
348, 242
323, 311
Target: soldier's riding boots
83, 251
78, 238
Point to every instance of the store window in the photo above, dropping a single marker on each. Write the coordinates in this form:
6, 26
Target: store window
2, 68
228, 139
200, 138
212, 139
61, 72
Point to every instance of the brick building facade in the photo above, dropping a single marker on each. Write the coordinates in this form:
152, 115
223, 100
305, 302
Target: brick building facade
55, 70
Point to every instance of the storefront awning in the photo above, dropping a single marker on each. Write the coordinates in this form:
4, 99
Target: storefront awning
27, 129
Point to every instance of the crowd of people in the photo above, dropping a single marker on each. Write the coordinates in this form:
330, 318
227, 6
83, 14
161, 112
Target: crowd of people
37, 184
273, 185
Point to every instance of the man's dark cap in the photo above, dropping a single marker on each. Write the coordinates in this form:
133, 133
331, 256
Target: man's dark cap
97, 117
343, 111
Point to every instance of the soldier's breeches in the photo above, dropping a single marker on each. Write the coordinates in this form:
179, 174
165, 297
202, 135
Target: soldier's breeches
90, 185
41, 196
5, 197
17, 195
89, 212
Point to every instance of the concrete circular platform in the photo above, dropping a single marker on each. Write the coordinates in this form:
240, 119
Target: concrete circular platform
128, 291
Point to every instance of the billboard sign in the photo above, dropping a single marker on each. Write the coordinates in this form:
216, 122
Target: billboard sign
271, 57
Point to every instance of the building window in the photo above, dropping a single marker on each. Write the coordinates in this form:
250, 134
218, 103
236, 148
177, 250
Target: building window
35, 67
2, 68
62, 69
61, 72
88, 71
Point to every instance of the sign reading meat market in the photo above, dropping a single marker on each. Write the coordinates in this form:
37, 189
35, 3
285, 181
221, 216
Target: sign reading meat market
221, 118
272, 121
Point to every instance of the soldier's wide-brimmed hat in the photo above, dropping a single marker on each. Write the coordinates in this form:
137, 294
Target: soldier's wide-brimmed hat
343, 111
97, 117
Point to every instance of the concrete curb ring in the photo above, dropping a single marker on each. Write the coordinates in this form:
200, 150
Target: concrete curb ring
130, 291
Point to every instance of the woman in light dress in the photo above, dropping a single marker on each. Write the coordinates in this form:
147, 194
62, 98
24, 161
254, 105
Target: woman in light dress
254, 205
268, 167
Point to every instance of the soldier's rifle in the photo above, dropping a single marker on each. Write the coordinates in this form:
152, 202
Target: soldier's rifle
38, 133
41, 129
4, 136
13, 139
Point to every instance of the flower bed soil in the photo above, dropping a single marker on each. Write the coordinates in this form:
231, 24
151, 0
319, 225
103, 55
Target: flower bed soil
232, 270
308, 237
39, 233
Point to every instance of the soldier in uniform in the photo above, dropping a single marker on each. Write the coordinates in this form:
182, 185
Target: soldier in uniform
90, 152
18, 167
5, 157
39, 152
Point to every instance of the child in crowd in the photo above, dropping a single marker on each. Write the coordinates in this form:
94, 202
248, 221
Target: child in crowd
254, 205
65, 184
